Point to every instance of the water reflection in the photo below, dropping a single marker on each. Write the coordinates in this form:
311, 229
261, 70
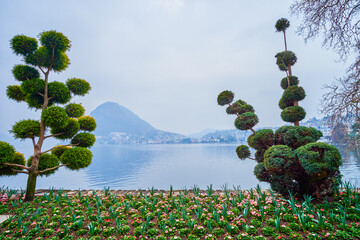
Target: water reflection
146, 166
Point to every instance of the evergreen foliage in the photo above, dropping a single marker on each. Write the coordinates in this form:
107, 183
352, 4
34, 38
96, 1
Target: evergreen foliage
61, 121
290, 159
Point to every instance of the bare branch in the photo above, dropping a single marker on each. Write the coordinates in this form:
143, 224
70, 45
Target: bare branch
17, 165
53, 168
53, 135
17, 171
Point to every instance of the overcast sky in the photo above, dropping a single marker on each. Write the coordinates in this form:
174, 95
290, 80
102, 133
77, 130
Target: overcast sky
167, 60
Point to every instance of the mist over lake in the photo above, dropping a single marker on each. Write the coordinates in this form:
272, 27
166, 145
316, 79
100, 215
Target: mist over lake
159, 166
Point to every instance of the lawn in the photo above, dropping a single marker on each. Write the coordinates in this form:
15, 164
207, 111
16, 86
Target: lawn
187, 214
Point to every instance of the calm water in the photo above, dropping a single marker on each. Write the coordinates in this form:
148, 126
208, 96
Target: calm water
135, 167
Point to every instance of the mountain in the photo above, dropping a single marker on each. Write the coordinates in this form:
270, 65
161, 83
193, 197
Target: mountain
202, 133
117, 124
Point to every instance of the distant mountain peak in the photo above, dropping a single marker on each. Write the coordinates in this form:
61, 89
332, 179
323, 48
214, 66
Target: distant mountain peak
117, 122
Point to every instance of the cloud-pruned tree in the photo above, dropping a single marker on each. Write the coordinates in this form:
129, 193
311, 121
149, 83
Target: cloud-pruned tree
59, 118
290, 159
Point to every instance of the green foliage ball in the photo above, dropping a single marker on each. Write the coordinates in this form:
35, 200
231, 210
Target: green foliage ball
284, 104
237, 108
24, 72
78, 86
55, 117
259, 155
294, 93
59, 150
58, 92
23, 45
285, 59
68, 131
225, 97
279, 158
87, 123
7, 153
7, 170
296, 136
61, 62
261, 173
283, 183
319, 159
14, 92
293, 81
243, 152
293, 114
263, 139
74, 110
26, 129
282, 24
83, 139
46, 161
55, 40
41, 57
246, 121
76, 158
34, 101
33, 86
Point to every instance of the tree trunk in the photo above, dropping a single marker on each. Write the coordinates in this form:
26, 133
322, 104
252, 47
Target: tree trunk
30, 187
285, 40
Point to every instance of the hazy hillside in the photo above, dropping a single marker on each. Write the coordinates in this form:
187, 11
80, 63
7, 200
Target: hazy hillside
117, 124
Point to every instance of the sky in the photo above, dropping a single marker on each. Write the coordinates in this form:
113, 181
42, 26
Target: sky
167, 60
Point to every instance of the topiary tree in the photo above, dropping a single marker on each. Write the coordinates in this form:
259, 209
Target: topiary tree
290, 159
57, 121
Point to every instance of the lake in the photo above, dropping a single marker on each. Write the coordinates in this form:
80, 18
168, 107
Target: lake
180, 165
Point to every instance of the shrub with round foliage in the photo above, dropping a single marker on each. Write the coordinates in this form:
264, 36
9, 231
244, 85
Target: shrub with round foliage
285, 59
46, 161
237, 108
23, 45
283, 183
68, 131
55, 40
292, 79
24, 72
296, 136
294, 93
14, 92
34, 100
263, 139
225, 97
61, 62
293, 114
284, 104
17, 159
87, 123
259, 155
74, 110
59, 150
7, 153
78, 86
282, 24
261, 173
41, 57
279, 158
83, 139
26, 129
243, 151
55, 117
33, 86
58, 92
246, 121
76, 158
319, 159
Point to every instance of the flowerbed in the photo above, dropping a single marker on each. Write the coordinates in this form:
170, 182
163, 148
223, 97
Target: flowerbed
193, 214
